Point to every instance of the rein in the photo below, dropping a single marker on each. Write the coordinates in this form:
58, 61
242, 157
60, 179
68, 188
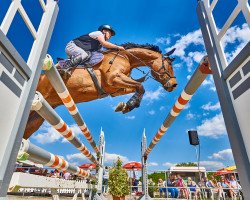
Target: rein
156, 72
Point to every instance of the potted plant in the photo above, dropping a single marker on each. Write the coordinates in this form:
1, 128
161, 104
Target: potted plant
118, 181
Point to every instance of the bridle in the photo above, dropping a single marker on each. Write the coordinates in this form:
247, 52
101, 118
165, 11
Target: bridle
153, 72
164, 68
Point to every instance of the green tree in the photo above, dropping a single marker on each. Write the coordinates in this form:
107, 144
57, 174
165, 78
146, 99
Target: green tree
188, 164
156, 176
118, 180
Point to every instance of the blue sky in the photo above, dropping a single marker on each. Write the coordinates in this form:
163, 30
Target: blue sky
164, 23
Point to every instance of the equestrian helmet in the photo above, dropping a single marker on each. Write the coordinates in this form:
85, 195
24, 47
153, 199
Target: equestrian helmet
107, 27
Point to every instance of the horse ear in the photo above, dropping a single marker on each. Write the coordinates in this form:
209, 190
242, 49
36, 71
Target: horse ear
170, 52
172, 59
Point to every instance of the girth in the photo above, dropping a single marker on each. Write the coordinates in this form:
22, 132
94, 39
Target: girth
101, 92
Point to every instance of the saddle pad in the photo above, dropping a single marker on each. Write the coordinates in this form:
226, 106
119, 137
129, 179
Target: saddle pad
95, 58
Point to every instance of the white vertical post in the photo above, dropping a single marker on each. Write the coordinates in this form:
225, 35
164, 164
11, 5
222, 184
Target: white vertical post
145, 195
18, 81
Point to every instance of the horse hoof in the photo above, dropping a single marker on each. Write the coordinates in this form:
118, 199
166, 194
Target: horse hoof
120, 107
126, 109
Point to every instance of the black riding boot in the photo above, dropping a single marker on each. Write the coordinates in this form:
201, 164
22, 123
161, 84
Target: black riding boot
73, 62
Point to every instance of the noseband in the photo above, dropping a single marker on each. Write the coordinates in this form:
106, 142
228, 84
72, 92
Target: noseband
164, 72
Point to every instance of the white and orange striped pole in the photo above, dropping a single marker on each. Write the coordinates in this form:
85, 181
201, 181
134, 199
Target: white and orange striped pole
194, 83
42, 107
58, 84
39, 155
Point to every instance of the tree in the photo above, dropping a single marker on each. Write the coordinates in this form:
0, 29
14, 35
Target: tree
188, 164
118, 181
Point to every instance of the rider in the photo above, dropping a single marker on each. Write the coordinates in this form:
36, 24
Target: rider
77, 48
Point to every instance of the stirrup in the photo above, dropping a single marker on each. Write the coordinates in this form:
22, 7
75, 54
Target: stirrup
66, 73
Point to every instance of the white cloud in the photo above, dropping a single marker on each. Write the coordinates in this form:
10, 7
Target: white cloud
188, 77
152, 164
168, 164
210, 83
236, 34
79, 157
181, 45
214, 127
130, 117
151, 112
212, 165
49, 135
154, 95
211, 107
223, 155
109, 158
162, 108
187, 106
163, 40
190, 115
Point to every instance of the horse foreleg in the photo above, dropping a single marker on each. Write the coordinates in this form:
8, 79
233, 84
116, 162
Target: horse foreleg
34, 122
134, 102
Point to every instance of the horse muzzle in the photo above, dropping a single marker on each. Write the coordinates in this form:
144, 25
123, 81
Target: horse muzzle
169, 86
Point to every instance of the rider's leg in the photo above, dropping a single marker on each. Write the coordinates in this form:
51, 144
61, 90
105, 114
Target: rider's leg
76, 54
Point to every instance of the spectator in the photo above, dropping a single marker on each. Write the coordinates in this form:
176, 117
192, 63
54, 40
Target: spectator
135, 180
161, 187
193, 187
105, 179
234, 184
171, 189
45, 172
56, 174
180, 183
66, 175
202, 186
209, 185
224, 186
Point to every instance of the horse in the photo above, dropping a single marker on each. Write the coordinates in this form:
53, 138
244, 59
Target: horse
113, 74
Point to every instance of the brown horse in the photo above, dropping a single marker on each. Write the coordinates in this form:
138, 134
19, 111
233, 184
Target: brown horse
113, 73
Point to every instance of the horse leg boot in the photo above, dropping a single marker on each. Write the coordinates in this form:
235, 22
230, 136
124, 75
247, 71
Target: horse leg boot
134, 102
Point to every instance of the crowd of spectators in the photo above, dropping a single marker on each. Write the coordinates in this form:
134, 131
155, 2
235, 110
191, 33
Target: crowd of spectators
53, 173
177, 187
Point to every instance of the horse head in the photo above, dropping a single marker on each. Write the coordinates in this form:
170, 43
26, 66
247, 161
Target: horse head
163, 72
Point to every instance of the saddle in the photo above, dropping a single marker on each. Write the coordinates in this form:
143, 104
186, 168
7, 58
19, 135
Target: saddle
93, 59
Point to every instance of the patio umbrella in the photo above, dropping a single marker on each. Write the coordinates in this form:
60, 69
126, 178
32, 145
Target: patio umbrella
88, 165
231, 168
222, 171
133, 165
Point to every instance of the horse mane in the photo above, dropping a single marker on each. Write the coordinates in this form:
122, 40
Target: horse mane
130, 45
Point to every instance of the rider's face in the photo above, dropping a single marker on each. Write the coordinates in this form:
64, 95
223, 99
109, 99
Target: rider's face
107, 34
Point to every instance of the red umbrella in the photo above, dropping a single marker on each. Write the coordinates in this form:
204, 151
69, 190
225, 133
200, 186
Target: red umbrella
133, 165
222, 171
88, 165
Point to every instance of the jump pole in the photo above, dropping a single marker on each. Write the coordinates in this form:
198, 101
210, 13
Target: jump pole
42, 107
56, 81
194, 83
29, 151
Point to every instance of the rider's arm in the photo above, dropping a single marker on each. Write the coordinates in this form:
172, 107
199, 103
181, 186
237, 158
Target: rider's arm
108, 44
